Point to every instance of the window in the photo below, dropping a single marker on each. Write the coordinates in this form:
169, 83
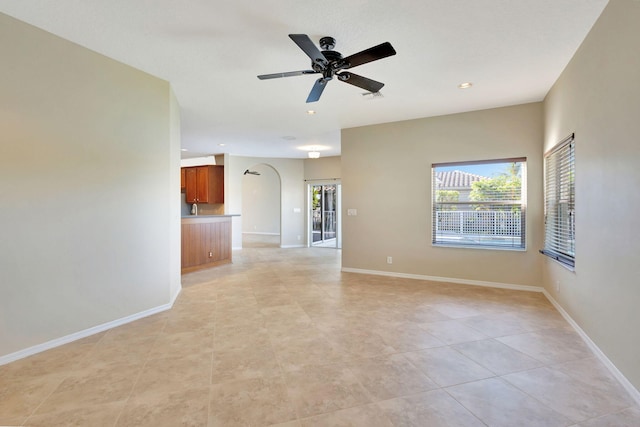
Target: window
559, 202
479, 204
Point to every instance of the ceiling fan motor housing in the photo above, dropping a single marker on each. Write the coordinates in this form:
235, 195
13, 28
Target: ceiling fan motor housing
327, 43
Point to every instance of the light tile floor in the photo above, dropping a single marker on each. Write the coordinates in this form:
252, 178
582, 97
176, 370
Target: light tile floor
283, 338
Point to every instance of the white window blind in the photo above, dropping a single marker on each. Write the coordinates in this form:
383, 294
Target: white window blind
559, 205
479, 204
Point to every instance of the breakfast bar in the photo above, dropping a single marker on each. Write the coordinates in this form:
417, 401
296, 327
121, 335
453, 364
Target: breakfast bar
206, 241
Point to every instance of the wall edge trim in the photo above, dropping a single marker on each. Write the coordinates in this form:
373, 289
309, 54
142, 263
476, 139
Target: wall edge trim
57, 342
624, 382
446, 279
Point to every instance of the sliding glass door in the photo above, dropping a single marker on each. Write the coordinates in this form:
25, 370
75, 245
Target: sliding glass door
324, 221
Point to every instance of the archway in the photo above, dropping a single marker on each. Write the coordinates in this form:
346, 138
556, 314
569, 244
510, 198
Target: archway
261, 192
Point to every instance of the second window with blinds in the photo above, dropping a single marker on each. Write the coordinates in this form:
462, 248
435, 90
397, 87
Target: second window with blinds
479, 204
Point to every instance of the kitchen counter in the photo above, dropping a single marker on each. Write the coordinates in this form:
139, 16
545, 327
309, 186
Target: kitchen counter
206, 241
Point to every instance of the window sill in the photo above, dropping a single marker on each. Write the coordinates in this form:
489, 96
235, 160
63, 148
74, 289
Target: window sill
491, 248
558, 260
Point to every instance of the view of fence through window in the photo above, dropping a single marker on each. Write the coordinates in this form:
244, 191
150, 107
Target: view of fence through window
479, 204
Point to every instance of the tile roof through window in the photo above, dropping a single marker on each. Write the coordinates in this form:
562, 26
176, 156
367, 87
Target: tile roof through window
456, 179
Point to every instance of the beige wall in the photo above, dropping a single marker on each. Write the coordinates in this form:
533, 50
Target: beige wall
291, 173
174, 227
386, 176
89, 163
261, 201
598, 98
324, 168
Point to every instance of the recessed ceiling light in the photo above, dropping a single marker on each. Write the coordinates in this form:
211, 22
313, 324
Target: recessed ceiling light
465, 85
222, 145
183, 149
314, 154
311, 112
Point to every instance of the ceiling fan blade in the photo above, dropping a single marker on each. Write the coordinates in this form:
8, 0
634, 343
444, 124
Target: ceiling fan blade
304, 42
361, 82
372, 54
287, 74
317, 89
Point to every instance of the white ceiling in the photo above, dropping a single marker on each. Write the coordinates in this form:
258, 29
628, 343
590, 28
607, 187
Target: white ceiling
212, 50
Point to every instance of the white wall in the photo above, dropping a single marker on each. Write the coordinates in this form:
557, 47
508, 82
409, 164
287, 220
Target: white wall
261, 201
386, 176
598, 98
291, 172
89, 164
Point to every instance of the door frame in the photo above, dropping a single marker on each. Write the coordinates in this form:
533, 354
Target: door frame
309, 221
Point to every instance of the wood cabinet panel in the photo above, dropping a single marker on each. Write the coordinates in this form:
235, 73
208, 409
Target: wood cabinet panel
190, 184
206, 242
204, 184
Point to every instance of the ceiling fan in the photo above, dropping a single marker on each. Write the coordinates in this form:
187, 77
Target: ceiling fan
330, 63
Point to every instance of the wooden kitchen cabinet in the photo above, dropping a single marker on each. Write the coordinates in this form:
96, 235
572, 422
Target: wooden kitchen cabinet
204, 184
182, 184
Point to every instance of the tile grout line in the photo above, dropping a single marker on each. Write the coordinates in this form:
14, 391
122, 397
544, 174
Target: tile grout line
213, 351
141, 370
61, 381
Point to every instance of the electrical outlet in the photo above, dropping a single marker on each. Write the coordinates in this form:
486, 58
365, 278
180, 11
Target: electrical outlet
389, 260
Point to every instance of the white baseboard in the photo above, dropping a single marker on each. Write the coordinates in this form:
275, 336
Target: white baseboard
445, 279
292, 246
39, 348
261, 233
175, 297
633, 392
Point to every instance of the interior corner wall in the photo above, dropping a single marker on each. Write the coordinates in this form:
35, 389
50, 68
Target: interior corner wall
88, 183
291, 172
597, 98
386, 177
175, 244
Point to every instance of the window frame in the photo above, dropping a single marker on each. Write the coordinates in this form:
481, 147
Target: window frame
559, 226
521, 204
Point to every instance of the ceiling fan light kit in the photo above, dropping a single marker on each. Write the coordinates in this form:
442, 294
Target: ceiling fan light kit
330, 63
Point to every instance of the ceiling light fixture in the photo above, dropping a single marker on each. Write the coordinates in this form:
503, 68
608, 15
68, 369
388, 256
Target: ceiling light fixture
372, 95
183, 149
314, 154
221, 145
311, 112
465, 85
